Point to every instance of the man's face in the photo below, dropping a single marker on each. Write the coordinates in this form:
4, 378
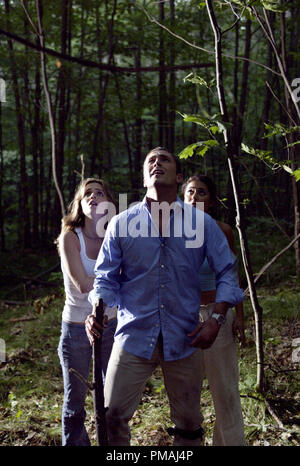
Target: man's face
160, 170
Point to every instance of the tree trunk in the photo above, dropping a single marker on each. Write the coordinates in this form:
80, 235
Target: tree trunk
138, 125
172, 86
50, 113
24, 223
35, 143
244, 88
292, 150
62, 113
125, 129
2, 233
239, 219
78, 107
162, 81
97, 154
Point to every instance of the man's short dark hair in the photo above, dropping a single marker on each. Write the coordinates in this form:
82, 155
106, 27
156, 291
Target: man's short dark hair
165, 149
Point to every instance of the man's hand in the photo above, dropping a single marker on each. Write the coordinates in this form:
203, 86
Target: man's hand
93, 329
205, 334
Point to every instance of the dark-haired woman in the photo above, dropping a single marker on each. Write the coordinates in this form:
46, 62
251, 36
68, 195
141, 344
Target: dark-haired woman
79, 244
220, 360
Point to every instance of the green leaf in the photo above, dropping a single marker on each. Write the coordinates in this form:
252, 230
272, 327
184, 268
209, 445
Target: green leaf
296, 174
273, 5
266, 157
19, 413
198, 148
201, 5
195, 79
279, 129
211, 124
287, 169
262, 154
202, 121
292, 144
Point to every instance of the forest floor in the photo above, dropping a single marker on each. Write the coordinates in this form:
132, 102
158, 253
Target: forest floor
31, 388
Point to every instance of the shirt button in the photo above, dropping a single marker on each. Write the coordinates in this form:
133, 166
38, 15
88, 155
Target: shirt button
162, 245
153, 339
162, 306
162, 266
162, 285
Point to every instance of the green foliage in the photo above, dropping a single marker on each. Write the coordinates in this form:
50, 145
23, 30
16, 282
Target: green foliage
279, 129
198, 148
214, 125
195, 79
274, 164
296, 174
274, 5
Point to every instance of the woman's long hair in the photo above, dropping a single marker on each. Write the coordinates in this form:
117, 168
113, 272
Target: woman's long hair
75, 216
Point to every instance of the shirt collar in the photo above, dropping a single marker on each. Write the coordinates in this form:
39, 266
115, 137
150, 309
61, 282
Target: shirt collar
178, 203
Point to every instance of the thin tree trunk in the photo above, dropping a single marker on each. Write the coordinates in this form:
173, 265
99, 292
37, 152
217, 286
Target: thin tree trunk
62, 114
239, 220
2, 233
35, 142
138, 124
24, 223
78, 103
172, 86
162, 81
244, 87
50, 111
97, 154
292, 150
125, 129
236, 77
42, 179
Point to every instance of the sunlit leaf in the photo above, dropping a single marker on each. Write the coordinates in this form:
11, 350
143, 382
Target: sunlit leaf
198, 148
279, 129
296, 174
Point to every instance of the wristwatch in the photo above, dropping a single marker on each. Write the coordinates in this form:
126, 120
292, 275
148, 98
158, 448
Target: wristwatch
220, 318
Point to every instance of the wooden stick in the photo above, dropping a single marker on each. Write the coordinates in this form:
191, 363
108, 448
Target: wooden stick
98, 394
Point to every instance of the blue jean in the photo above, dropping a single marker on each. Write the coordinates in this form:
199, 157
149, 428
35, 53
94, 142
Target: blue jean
75, 351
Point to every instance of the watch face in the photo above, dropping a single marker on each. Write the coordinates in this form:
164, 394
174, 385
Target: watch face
219, 318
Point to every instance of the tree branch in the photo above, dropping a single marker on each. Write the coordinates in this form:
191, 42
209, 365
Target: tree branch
154, 20
50, 111
101, 66
270, 37
265, 267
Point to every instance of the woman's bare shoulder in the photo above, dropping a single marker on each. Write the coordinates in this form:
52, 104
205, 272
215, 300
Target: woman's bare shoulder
69, 239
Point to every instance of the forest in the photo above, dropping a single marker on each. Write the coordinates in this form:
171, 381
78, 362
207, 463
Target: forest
88, 88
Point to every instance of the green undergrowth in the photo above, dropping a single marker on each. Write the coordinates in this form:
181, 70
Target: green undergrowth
31, 389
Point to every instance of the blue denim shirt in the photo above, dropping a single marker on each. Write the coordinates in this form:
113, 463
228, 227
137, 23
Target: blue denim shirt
155, 278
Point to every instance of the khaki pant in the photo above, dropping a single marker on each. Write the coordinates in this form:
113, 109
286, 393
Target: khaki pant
126, 378
220, 365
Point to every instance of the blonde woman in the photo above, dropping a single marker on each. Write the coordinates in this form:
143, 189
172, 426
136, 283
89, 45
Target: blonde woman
220, 360
79, 244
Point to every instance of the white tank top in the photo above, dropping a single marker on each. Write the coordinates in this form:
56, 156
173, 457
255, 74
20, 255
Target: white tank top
77, 307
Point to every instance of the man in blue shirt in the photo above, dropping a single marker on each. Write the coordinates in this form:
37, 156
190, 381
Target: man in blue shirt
148, 265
